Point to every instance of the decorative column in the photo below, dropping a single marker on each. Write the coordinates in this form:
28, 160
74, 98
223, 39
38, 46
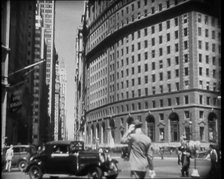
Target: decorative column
111, 127
168, 130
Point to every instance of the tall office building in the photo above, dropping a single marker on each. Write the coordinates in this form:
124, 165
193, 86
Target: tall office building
57, 126
63, 88
59, 116
158, 61
19, 92
79, 112
48, 11
40, 90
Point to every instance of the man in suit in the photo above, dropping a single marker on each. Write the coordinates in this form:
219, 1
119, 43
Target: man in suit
141, 154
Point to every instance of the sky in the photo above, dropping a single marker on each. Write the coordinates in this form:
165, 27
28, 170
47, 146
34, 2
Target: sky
67, 19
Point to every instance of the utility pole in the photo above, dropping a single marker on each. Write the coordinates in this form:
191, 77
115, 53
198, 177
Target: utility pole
5, 62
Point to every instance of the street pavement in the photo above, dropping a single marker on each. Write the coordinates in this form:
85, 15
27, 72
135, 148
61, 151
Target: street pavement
166, 168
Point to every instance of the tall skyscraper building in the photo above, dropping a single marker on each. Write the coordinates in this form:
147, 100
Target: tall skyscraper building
40, 90
57, 125
48, 11
159, 61
63, 88
79, 111
19, 91
60, 108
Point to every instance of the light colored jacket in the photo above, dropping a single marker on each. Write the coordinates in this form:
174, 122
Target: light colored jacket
141, 153
9, 154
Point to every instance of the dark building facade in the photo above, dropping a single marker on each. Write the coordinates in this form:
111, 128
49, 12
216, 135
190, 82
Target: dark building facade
19, 97
159, 61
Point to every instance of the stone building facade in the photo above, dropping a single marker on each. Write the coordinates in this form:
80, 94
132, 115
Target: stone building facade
159, 61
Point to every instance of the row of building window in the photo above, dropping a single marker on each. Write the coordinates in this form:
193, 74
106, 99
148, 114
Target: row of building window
99, 98
158, 103
214, 33
154, 90
103, 71
214, 48
103, 80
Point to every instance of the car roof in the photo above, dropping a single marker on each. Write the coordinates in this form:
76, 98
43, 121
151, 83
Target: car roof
23, 146
20, 145
65, 142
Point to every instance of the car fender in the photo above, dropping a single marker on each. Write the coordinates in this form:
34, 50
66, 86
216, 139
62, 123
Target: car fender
22, 159
35, 162
85, 169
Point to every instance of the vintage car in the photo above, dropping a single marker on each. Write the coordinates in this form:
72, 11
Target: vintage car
69, 157
22, 154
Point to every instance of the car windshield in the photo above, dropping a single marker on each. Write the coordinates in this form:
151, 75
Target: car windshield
60, 149
24, 149
76, 146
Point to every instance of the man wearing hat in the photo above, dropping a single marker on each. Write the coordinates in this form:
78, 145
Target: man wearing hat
184, 155
141, 152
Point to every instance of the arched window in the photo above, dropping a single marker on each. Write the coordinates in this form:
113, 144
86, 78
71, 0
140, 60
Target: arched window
174, 127
88, 135
104, 133
98, 132
112, 126
212, 127
188, 132
92, 134
151, 126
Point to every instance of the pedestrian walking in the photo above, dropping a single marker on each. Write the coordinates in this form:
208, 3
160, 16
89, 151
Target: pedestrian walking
214, 161
161, 150
141, 154
102, 155
184, 155
9, 156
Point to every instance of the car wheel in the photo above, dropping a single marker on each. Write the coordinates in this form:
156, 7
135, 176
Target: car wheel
22, 165
113, 171
95, 173
35, 172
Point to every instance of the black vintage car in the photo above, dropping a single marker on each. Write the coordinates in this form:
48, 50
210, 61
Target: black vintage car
69, 157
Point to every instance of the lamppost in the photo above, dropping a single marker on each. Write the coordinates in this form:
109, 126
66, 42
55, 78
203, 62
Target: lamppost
194, 173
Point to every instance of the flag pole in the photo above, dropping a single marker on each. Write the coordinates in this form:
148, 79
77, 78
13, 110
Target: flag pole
27, 67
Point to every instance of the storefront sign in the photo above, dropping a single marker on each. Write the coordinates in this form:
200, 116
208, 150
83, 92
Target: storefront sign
16, 100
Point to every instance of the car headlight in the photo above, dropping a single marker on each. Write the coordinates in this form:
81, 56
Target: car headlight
31, 158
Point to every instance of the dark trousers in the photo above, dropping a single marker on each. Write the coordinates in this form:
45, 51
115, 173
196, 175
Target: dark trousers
185, 169
138, 174
213, 171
